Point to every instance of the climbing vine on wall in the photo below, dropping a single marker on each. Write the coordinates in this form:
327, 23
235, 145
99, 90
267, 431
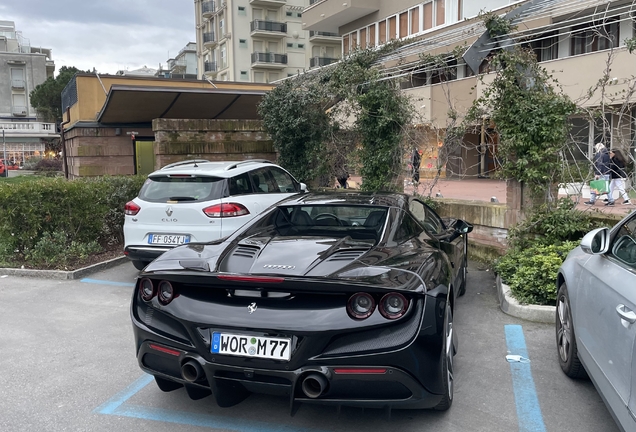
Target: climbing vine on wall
326, 121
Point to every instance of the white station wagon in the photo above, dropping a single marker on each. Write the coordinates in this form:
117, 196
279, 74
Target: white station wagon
200, 201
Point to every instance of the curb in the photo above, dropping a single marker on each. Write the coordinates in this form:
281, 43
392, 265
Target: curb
510, 306
61, 274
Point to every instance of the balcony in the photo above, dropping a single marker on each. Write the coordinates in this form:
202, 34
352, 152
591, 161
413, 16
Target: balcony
269, 3
18, 84
330, 15
176, 65
269, 60
209, 67
42, 130
271, 29
209, 40
19, 111
321, 61
325, 37
208, 8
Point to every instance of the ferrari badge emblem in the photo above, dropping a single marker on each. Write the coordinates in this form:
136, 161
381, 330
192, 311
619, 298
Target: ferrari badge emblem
252, 308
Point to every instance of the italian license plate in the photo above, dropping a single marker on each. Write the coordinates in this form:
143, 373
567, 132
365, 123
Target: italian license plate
168, 239
251, 346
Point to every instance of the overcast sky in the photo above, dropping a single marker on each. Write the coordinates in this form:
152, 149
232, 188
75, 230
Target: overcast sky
106, 34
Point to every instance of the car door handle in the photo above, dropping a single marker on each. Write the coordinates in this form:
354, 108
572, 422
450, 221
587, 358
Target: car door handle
626, 314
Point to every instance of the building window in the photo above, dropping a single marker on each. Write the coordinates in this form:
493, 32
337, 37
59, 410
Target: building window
244, 76
363, 38
345, 44
392, 30
242, 11
547, 48
371, 32
259, 77
428, 16
290, 45
242, 43
288, 13
382, 32
223, 56
443, 74
299, 14
586, 39
404, 24
301, 46
440, 12
415, 20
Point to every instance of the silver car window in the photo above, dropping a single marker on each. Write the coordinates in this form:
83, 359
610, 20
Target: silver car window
624, 246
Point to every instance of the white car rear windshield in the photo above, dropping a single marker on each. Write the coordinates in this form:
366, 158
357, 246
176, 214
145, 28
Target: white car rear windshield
183, 189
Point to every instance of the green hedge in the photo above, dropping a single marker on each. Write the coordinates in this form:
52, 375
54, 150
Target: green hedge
531, 272
57, 213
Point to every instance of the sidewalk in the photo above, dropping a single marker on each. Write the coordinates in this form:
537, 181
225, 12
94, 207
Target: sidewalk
486, 189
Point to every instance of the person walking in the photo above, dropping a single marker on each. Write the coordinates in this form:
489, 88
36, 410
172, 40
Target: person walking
601, 168
618, 176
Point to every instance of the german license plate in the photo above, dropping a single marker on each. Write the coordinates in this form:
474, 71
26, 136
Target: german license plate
251, 346
168, 239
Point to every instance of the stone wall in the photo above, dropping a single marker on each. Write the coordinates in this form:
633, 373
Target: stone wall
177, 140
95, 151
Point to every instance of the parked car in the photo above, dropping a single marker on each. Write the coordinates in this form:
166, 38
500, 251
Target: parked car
10, 165
200, 201
3, 169
596, 316
339, 299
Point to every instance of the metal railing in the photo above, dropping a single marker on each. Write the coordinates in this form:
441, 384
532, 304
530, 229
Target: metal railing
325, 34
265, 57
270, 26
321, 61
209, 66
208, 37
17, 83
208, 6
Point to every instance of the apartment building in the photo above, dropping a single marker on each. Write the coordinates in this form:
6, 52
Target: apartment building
259, 40
22, 68
573, 39
183, 65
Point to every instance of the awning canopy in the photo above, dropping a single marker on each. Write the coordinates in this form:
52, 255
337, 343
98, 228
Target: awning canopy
132, 104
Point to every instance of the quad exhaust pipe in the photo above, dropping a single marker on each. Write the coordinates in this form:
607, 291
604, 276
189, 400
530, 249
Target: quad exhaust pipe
192, 371
314, 385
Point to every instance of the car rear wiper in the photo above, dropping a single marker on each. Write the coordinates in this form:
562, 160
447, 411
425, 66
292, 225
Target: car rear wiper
182, 198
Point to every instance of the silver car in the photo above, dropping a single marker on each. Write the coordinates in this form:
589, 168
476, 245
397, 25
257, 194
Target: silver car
596, 316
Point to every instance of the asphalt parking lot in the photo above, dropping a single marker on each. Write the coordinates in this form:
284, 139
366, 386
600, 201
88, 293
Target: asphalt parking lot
68, 364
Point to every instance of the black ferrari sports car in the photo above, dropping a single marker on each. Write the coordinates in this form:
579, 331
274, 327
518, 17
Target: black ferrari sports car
343, 299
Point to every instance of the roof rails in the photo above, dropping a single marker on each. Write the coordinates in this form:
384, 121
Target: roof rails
187, 162
230, 167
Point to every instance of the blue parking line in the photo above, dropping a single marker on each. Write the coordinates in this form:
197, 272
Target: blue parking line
117, 406
528, 410
106, 282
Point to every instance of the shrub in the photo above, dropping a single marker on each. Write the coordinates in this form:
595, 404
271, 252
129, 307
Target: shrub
31, 162
551, 225
86, 210
48, 165
56, 250
531, 271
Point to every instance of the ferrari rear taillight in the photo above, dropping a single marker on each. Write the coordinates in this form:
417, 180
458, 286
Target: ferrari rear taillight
131, 209
146, 289
165, 350
255, 279
360, 306
165, 292
226, 210
393, 306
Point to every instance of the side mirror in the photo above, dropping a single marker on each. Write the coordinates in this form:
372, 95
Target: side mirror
596, 242
462, 227
303, 187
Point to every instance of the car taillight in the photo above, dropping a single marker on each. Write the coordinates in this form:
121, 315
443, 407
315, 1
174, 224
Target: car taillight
393, 306
226, 210
131, 209
165, 292
360, 306
146, 289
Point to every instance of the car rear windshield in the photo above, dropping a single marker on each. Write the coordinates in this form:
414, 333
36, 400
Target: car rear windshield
183, 189
357, 222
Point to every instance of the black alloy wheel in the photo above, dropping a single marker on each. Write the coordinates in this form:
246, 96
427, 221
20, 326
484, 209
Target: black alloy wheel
565, 339
447, 362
